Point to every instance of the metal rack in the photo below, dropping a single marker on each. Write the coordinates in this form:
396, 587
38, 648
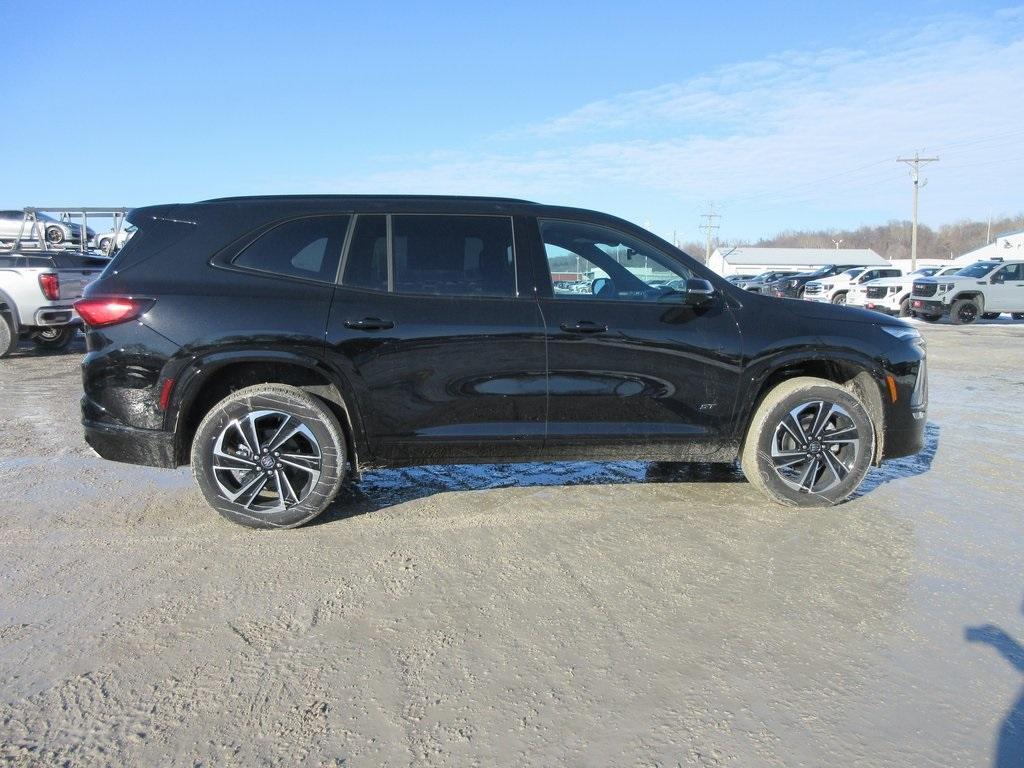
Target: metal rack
33, 231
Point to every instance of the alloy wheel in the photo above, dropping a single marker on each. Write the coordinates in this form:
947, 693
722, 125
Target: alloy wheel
815, 446
968, 313
266, 461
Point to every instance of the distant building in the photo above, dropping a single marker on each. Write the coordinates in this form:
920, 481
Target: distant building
1008, 246
743, 260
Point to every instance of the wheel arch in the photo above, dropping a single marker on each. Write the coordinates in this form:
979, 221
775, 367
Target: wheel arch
977, 296
203, 382
857, 373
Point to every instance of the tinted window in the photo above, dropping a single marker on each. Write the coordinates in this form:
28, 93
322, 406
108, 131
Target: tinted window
307, 248
453, 255
579, 254
367, 262
1009, 273
8, 261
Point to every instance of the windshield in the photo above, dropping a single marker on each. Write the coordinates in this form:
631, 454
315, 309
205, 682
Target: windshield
823, 271
979, 269
925, 271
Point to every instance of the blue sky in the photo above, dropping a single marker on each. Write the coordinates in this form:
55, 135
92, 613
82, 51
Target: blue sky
787, 115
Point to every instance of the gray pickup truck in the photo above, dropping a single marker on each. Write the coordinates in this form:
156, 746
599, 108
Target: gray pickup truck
36, 295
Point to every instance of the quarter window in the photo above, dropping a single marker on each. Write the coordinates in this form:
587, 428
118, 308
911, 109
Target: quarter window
307, 248
453, 255
588, 261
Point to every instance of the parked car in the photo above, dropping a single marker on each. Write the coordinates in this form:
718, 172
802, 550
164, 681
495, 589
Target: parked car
793, 287
891, 295
280, 345
36, 295
833, 290
734, 279
113, 239
758, 283
984, 289
28, 227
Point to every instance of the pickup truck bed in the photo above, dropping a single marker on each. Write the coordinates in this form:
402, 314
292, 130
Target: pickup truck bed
37, 291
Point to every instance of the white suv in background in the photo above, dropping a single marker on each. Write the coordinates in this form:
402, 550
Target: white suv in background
891, 295
833, 290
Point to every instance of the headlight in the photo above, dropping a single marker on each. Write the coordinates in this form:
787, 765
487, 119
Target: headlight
943, 287
901, 331
826, 286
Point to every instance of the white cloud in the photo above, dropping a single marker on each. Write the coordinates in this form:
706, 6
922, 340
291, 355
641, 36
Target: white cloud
762, 136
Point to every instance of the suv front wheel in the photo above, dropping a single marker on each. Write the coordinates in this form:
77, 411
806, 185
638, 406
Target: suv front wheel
269, 456
810, 443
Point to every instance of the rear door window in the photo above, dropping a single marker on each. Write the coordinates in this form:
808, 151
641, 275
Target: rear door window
307, 248
453, 255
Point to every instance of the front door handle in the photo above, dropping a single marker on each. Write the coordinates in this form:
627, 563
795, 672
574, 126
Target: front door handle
584, 326
369, 324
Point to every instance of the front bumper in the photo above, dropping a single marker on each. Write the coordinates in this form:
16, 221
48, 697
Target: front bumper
928, 307
150, 447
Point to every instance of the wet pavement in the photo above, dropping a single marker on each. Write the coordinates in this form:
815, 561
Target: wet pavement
542, 614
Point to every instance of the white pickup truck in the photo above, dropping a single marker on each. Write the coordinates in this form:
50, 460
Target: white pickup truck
833, 290
891, 295
985, 289
36, 295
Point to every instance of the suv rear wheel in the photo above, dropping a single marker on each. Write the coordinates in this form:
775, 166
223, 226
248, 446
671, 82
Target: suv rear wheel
839, 298
810, 443
269, 456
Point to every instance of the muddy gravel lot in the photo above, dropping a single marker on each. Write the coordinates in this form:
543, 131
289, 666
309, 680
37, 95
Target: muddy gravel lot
552, 614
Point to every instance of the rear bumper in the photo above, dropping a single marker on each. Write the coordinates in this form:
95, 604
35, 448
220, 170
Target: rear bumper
56, 316
152, 448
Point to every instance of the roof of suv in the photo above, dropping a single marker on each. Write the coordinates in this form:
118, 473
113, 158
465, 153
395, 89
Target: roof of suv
366, 198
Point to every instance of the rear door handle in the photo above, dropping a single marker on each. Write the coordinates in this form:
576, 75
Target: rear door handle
584, 326
369, 324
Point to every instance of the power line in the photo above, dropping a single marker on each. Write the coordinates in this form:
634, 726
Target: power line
915, 163
709, 225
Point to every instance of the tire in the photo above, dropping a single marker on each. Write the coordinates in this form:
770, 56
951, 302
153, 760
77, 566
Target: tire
54, 235
964, 311
8, 339
55, 338
990, 315
773, 433
928, 318
318, 441
905, 308
1017, 315
839, 298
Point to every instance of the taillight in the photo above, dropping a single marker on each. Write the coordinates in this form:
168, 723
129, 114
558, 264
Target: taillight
49, 284
110, 310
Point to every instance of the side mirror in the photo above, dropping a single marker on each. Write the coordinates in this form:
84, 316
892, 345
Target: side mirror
698, 292
600, 285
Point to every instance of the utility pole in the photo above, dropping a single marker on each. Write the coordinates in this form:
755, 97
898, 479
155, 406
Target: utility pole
709, 225
915, 174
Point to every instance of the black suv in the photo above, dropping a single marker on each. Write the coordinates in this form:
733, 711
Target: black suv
281, 345
793, 287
